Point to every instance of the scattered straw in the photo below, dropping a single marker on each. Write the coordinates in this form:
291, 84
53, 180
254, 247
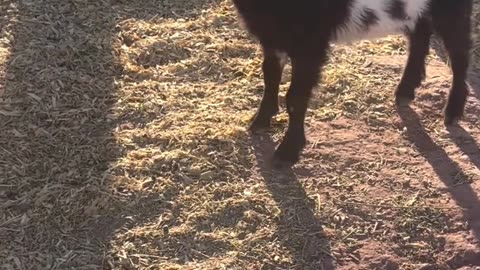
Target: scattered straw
123, 146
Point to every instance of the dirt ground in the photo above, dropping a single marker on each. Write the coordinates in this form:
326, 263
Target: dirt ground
123, 145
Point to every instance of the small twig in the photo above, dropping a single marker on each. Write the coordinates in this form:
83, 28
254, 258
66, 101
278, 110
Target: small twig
34, 21
146, 255
200, 253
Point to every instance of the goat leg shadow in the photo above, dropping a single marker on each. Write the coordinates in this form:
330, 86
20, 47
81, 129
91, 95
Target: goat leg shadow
446, 169
299, 229
466, 143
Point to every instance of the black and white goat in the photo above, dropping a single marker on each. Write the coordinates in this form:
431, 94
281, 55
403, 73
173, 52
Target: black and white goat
304, 29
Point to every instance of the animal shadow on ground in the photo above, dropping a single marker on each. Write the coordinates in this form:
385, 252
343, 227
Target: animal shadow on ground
299, 228
57, 142
464, 140
57, 145
466, 143
446, 169
464, 195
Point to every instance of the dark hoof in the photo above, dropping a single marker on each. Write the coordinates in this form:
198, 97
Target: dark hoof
281, 163
452, 115
451, 120
403, 101
259, 125
286, 156
261, 121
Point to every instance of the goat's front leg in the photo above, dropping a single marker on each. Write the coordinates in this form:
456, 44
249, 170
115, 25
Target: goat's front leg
273, 64
305, 75
414, 73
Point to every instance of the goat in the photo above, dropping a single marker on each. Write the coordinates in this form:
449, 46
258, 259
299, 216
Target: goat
304, 29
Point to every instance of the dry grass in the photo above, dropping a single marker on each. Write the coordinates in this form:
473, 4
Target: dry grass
123, 146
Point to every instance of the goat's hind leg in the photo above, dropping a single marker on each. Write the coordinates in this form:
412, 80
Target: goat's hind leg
414, 73
305, 75
272, 67
451, 19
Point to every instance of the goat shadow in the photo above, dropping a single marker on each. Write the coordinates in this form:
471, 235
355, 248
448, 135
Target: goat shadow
299, 228
446, 169
461, 137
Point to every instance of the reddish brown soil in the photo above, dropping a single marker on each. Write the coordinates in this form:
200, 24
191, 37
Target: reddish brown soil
123, 146
441, 165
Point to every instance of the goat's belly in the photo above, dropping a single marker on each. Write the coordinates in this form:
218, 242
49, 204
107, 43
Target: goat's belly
351, 34
372, 19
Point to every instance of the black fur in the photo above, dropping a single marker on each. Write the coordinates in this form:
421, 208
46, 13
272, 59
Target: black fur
396, 10
303, 29
369, 18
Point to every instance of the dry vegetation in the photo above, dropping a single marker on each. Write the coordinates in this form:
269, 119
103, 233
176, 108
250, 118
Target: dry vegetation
123, 146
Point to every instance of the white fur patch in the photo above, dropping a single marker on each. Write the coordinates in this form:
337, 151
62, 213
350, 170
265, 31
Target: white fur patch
386, 25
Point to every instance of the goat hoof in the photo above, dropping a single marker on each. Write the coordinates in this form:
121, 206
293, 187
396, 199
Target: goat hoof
402, 101
285, 157
451, 120
259, 124
280, 163
261, 121
452, 115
